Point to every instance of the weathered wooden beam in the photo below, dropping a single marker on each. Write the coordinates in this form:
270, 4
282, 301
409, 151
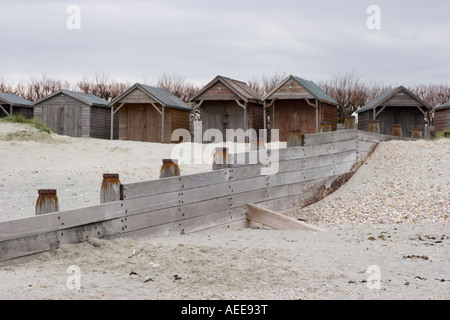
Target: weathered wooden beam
198, 105
47, 202
275, 220
157, 109
377, 113
316, 106
241, 105
424, 113
169, 168
6, 112
162, 125
268, 105
110, 189
113, 112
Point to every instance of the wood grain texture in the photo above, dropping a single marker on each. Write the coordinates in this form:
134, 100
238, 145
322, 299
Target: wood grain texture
275, 220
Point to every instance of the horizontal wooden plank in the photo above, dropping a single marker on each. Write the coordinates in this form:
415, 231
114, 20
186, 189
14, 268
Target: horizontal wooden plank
316, 162
255, 196
366, 146
319, 150
315, 139
236, 197
168, 215
60, 220
302, 194
369, 136
314, 173
170, 184
221, 218
104, 229
28, 245
28, 226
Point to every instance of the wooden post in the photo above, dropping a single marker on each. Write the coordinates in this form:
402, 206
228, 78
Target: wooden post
349, 122
295, 138
162, 125
47, 202
397, 130
416, 134
112, 123
264, 115
8, 114
169, 168
325, 127
110, 190
220, 160
316, 106
113, 112
374, 126
257, 144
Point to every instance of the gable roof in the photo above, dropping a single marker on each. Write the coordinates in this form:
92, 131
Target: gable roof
162, 96
86, 98
387, 95
443, 106
240, 88
308, 85
14, 100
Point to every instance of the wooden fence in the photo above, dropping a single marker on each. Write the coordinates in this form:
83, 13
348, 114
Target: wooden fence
190, 203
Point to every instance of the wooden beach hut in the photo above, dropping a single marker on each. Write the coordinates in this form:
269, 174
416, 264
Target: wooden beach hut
298, 105
11, 104
75, 114
226, 103
395, 109
149, 114
442, 117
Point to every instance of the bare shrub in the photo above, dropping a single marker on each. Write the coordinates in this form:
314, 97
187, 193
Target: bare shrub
264, 85
177, 85
102, 86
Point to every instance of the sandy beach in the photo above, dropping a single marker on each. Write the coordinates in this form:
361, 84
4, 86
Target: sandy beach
387, 231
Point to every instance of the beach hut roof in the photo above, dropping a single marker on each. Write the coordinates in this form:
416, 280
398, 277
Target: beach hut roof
443, 106
379, 100
162, 96
86, 98
308, 85
240, 88
14, 100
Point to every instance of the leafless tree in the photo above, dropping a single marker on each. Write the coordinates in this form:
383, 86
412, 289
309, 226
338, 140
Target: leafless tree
264, 85
177, 85
102, 86
39, 87
432, 94
349, 91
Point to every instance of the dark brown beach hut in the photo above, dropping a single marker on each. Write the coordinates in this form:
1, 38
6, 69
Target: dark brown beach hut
297, 104
75, 114
226, 103
397, 108
442, 117
149, 114
11, 104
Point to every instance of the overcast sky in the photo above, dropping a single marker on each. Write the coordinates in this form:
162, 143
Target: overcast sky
138, 41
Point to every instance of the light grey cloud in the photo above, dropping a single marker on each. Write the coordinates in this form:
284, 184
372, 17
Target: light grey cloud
136, 40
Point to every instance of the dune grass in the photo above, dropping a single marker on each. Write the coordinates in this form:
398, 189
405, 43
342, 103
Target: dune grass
18, 118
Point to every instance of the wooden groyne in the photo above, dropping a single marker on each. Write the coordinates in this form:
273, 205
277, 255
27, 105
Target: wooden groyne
189, 203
